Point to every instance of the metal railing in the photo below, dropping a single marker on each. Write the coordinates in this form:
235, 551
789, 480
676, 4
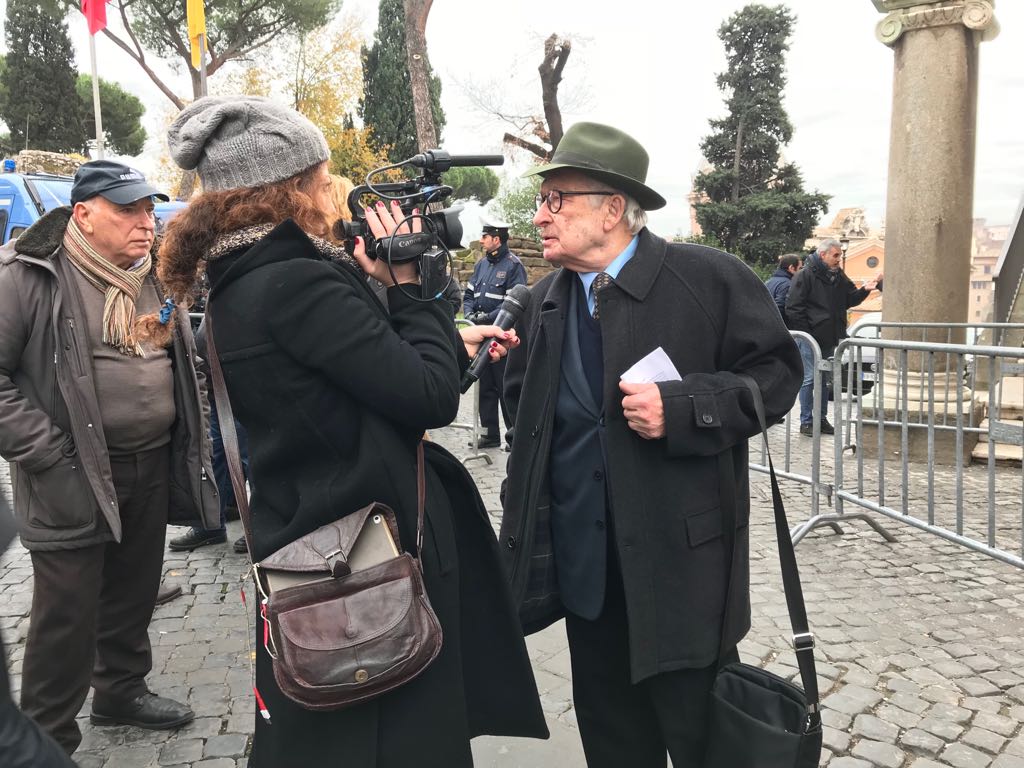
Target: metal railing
925, 411
473, 427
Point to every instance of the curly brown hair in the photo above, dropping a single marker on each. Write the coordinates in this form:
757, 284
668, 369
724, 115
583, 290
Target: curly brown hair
192, 233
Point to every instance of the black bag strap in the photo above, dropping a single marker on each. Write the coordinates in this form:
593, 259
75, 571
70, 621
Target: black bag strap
803, 640
234, 455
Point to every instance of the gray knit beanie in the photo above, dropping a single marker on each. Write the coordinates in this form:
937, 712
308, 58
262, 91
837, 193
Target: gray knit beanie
244, 141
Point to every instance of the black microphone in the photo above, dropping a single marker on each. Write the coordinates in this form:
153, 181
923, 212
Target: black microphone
439, 160
512, 307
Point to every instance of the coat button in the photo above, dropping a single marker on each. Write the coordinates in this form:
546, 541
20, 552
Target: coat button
707, 418
601, 421
535, 432
599, 475
362, 675
511, 542
600, 525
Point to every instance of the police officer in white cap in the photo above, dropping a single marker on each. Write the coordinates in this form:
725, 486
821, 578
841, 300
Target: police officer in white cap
494, 275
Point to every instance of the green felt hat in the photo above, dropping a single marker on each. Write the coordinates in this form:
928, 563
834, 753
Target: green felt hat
608, 155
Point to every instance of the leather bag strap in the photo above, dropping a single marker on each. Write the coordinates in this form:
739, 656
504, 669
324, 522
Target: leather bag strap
234, 455
803, 640
229, 434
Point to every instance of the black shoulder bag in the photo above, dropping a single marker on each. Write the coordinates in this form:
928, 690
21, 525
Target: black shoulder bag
758, 719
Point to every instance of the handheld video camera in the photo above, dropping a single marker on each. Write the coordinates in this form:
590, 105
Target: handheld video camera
442, 229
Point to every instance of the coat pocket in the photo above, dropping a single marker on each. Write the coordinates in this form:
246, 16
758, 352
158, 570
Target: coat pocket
705, 526
60, 497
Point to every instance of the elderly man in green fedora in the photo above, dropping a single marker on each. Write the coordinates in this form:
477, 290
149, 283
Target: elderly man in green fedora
613, 512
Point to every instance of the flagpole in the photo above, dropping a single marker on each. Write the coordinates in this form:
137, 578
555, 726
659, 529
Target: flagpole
96, 98
202, 64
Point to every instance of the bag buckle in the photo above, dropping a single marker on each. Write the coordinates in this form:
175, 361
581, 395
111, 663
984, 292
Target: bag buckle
804, 641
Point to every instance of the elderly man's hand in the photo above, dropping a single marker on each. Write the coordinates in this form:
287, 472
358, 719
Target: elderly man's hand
643, 409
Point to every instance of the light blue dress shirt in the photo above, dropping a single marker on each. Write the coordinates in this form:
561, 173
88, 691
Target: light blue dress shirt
612, 270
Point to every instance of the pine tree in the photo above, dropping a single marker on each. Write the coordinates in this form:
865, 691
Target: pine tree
42, 109
121, 112
756, 204
386, 106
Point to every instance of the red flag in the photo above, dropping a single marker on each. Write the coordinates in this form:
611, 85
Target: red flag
95, 12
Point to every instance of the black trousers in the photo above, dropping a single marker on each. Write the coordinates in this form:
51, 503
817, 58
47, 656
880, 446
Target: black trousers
622, 724
490, 385
91, 607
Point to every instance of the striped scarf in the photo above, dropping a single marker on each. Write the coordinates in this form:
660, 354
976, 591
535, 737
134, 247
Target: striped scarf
122, 287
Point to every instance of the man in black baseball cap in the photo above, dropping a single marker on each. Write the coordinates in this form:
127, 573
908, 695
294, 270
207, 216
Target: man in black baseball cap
105, 434
118, 183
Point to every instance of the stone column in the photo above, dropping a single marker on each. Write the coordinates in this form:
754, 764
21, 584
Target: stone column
930, 201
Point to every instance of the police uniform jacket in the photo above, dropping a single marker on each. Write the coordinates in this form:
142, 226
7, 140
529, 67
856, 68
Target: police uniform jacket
493, 276
715, 320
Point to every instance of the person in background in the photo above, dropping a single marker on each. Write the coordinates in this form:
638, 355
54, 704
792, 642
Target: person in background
817, 303
493, 276
779, 283
107, 437
197, 537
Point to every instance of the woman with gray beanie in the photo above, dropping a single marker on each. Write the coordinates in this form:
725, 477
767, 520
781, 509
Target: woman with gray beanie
335, 391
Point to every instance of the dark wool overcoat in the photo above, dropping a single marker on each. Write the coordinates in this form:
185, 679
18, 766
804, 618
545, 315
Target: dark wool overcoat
335, 393
818, 301
714, 319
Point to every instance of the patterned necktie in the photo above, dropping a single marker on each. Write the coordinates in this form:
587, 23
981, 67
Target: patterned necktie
602, 281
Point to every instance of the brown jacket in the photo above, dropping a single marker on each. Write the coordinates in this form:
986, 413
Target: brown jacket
50, 429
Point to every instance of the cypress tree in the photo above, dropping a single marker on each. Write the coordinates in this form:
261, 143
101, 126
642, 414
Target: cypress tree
386, 106
756, 206
42, 109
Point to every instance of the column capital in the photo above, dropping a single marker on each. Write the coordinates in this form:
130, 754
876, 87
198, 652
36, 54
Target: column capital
907, 15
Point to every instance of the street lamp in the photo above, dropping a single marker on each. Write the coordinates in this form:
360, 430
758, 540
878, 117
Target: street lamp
844, 244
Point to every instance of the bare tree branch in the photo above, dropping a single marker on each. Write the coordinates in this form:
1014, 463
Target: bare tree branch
556, 53
529, 146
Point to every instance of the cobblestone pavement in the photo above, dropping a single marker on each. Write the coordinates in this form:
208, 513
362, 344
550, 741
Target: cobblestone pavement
920, 645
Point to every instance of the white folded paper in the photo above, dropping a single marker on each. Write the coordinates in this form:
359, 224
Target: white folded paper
654, 367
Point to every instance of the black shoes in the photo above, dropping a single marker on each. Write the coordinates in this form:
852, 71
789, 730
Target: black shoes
147, 711
826, 428
195, 538
165, 594
488, 441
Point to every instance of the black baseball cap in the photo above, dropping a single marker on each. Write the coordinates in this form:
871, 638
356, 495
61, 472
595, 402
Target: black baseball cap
116, 182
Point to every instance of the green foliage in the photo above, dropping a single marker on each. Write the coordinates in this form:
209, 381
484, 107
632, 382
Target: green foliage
474, 183
386, 106
352, 155
704, 239
3, 84
234, 28
517, 205
121, 112
40, 104
755, 207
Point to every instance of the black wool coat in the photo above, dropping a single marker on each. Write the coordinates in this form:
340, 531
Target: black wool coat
336, 392
818, 300
714, 319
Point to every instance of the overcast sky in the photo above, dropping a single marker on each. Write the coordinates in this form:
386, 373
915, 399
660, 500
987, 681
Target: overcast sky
650, 70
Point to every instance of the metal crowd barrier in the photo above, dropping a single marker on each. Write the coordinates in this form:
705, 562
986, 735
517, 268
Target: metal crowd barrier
812, 475
473, 426
924, 415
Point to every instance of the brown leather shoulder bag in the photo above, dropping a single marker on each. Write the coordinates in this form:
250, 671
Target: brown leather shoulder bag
345, 619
